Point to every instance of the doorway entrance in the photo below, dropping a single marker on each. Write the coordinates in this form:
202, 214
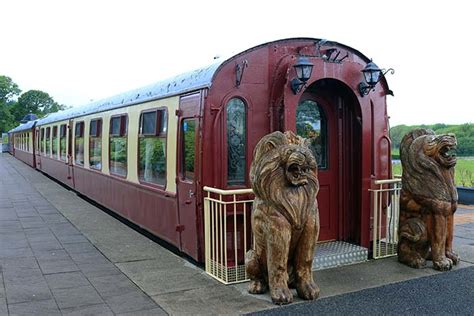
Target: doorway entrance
328, 114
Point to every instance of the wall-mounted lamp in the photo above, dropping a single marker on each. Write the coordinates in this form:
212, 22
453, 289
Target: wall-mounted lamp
372, 75
303, 68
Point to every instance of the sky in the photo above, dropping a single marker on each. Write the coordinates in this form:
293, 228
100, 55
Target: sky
78, 51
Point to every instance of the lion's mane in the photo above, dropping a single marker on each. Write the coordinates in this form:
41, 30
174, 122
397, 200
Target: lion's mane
424, 174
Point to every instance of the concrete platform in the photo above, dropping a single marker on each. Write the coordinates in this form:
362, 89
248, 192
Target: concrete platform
61, 255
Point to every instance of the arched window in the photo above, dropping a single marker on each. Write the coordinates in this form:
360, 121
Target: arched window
311, 124
236, 141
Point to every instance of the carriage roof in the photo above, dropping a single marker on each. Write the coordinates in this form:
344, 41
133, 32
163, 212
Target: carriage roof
186, 82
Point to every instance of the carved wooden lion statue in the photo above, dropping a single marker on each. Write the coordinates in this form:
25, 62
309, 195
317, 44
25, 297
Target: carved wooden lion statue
285, 220
428, 199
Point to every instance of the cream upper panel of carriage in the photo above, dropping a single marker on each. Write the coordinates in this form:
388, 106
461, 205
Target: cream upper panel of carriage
132, 136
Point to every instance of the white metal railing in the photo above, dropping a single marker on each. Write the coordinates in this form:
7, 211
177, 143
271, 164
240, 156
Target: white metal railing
385, 217
227, 233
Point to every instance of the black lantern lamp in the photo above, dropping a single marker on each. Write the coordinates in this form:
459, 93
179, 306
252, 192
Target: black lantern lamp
372, 75
303, 68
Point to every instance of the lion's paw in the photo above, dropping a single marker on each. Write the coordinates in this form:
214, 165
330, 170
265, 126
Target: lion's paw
257, 287
308, 290
417, 263
453, 256
444, 264
281, 296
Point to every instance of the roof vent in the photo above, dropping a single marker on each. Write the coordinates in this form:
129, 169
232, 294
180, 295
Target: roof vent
28, 117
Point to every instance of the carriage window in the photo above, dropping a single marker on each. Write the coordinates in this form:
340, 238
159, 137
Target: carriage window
311, 124
55, 142
189, 145
236, 142
152, 147
38, 141
95, 144
41, 146
48, 141
79, 143
118, 145
62, 142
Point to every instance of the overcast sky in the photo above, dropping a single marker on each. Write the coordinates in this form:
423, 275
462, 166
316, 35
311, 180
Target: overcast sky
79, 51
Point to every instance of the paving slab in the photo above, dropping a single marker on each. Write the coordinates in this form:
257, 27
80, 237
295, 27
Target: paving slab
76, 297
35, 289
42, 307
66, 280
130, 302
99, 309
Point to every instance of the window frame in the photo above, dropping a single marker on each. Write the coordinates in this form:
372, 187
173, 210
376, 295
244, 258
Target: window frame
123, 132
159, 133
43, 145
246, 103
62, 128
182, 148
98, 134
48, 136
81, 131
54, 132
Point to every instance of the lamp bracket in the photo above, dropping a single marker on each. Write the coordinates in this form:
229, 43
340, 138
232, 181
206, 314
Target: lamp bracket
391, 70
364, 89
239, 71
296, 85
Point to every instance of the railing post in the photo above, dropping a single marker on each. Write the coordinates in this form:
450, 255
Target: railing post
385, 238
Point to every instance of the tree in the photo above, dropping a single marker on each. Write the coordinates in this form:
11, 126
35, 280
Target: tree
8, 89
7, 121
36, 102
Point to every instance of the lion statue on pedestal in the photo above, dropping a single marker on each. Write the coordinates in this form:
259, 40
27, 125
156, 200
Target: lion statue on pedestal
285, 220
428, 199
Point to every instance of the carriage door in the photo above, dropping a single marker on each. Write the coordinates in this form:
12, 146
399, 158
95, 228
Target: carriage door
316, 120
70, 158
37, 145
188, 175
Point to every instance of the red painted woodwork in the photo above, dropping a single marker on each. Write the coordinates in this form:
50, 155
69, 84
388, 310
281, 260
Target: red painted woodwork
57, 169
24, 156
149, 208
187, 188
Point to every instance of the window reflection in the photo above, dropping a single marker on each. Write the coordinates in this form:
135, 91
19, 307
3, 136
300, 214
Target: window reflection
189, 144
311, 124
152, 147
236, 142
118, 145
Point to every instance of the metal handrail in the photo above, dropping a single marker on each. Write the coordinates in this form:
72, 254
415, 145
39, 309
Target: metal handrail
227, 192
387, 181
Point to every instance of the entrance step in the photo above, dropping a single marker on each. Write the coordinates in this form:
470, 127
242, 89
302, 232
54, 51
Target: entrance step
338, 253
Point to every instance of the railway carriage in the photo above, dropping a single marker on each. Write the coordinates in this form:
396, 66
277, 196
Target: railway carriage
22, 139
148, 153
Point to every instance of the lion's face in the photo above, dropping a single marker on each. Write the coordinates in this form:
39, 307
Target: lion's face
443, 149
299, 165
282, 162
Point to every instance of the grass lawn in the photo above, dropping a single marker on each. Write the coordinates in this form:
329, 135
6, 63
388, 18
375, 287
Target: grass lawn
464, 175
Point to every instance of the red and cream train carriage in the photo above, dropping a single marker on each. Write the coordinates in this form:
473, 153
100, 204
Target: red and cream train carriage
148, 153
